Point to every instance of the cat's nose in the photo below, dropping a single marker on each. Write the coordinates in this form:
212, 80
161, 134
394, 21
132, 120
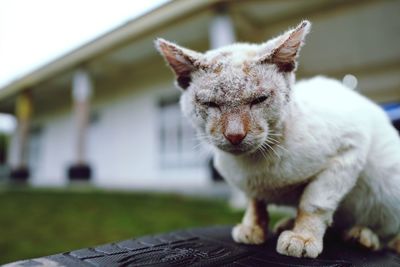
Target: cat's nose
235, 138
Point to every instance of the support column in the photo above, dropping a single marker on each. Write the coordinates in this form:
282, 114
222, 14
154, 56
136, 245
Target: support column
81, 93
221, 31
23, 111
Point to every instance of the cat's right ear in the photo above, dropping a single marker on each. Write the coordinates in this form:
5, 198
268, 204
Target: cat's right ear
182, 61
284, 50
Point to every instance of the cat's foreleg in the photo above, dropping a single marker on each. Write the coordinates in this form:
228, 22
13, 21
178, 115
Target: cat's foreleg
317, 205
254, 226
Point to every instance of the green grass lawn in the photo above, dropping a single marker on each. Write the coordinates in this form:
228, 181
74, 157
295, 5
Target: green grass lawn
41, 222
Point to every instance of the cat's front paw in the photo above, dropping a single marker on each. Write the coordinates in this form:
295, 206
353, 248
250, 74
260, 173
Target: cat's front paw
249, 234
363, 236
299, 244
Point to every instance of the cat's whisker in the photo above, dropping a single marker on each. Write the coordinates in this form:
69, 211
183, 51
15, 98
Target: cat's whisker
196, 146
273, 150
201, 134
266, 148
272, 140
263, 152
283, 148
276, 143
274, 134
196, 137
203, 138
200, 140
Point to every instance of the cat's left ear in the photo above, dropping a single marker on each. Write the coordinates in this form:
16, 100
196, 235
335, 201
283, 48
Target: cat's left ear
182, 61
285, 48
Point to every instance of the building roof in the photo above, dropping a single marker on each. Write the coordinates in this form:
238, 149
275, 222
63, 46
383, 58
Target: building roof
347, 37
134, 29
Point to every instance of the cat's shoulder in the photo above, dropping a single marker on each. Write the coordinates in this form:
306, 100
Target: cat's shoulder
328, 92
332, 101
321, 85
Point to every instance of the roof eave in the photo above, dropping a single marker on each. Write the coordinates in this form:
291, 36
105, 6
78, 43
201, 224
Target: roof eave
146, 23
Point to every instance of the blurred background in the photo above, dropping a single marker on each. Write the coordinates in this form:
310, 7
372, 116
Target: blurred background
93, 147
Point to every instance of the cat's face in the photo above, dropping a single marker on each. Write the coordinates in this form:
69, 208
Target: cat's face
236, 107
236, 96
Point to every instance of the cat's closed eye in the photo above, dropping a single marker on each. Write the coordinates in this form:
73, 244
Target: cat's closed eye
210, 104
258, 100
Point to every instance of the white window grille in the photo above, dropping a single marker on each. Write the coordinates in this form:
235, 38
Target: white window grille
178, 144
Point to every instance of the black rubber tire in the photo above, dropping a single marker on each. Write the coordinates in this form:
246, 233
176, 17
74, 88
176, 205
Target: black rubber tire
210, 246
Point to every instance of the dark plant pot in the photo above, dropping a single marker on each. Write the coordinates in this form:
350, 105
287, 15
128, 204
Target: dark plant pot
79, 172
20, 174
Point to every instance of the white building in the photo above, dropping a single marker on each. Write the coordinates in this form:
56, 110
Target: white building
135, 136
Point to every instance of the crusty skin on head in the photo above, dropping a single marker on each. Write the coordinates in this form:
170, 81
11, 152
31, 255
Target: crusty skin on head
314, 144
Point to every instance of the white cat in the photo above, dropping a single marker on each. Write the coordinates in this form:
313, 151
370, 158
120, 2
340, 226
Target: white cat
316, 144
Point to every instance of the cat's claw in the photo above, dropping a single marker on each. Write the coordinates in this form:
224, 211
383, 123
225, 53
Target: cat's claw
298, 245
249, 234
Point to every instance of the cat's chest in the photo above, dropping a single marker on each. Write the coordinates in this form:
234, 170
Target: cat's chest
270, 178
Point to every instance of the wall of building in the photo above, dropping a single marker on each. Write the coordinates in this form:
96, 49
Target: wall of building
124, 146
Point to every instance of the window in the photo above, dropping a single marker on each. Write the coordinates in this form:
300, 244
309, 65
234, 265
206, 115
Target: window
178, 144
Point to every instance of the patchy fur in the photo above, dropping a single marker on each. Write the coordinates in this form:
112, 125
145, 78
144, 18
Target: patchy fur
254, 226
314, 144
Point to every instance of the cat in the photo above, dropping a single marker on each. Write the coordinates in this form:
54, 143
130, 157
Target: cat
315, 144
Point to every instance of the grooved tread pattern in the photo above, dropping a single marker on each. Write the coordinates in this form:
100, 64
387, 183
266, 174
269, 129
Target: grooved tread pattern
210, 246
